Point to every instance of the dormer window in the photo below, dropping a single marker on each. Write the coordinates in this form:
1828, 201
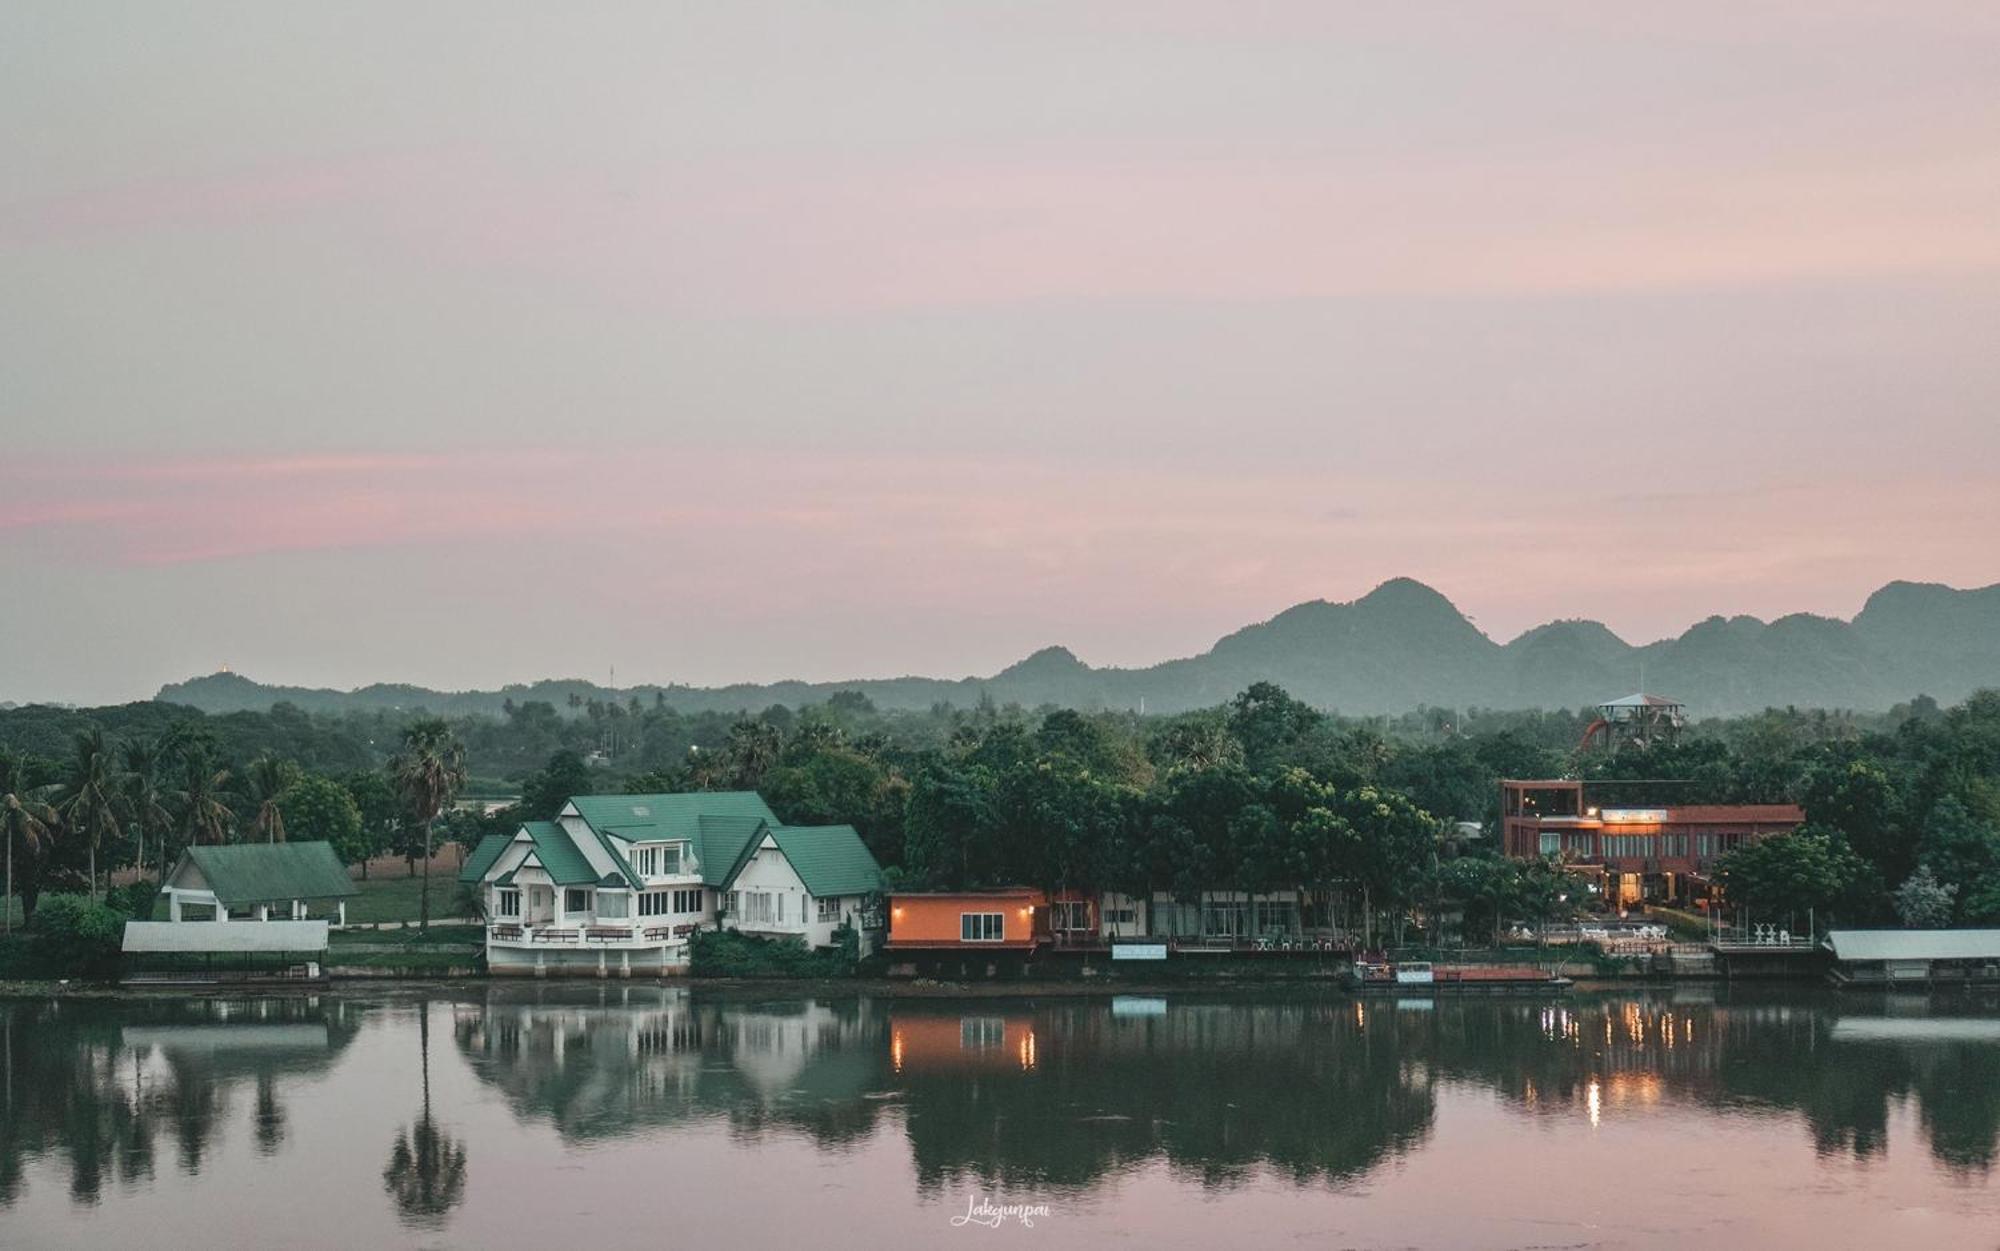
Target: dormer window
657, 860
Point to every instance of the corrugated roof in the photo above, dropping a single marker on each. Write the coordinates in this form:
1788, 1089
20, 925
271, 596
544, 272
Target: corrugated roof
1914, 944
225, 936
564, 862
253, 873
669, 817
483, 856
724, 845
649, 818
829, 859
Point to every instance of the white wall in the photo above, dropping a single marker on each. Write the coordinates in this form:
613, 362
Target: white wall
769, 871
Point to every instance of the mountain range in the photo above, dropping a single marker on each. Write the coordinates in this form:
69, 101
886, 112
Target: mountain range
1400, 646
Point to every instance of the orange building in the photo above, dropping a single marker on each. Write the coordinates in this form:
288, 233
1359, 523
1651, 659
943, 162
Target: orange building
1007, 919
1663, 853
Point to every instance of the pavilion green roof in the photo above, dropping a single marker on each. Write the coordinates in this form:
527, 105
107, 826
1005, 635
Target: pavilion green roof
253, 873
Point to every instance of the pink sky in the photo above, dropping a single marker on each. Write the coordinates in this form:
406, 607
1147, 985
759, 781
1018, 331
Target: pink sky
752, 344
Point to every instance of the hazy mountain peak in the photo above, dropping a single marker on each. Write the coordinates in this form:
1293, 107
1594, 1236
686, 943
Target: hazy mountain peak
1401, 645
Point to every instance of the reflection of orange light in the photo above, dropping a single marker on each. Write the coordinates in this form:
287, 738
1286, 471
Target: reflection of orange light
896, 1051
1027, 911
1028, 1050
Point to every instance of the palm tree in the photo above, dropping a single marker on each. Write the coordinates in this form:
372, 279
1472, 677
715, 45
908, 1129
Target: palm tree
145, 759
91, 800
205, 818
24, 819
266, 781
426, 1172
427, 773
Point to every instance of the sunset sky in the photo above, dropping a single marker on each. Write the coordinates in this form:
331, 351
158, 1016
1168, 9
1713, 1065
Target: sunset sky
466, 344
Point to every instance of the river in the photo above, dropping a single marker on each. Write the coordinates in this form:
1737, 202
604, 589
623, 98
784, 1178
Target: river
607, 1116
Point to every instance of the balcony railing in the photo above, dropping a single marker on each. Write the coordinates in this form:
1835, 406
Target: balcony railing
581, 933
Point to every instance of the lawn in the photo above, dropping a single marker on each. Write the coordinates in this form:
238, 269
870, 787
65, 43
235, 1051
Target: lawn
395, 898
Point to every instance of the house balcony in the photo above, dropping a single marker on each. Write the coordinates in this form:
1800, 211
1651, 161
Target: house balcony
584, 933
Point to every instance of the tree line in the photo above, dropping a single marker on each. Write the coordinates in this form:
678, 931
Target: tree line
1391, 817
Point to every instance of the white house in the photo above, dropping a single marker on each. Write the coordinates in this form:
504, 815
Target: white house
618, 882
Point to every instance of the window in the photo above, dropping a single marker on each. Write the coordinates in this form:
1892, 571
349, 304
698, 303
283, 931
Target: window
1121, 916
653, 903
981, 1033
829, 909
758, 907
735, 905
614, 905
657, 860
687, 900
575, 900
980, 927
507, 903
1551, 843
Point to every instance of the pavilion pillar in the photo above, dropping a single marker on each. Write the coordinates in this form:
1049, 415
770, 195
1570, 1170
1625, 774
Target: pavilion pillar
173, 905
343, 914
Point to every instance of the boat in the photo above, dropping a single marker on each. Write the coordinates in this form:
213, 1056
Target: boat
1420, 976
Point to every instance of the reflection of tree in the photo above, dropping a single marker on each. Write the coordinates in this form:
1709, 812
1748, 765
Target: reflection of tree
101, 1082
426, 1172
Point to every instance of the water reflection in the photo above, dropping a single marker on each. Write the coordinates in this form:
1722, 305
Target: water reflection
98, 1084
426, 1171
1011, 1093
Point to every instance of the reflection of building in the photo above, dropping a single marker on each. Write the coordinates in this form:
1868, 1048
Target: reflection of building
998, 1041
618, 882
1664, 853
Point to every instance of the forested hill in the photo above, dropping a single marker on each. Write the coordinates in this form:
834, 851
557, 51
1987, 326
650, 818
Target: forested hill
1400, 646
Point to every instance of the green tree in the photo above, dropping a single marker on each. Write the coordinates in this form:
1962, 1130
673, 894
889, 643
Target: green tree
264, 785
91, 801
1924, 903
381, 813
545, 791
1812, 869
427, 773
145, 760
204, 816
25, 820
320, 810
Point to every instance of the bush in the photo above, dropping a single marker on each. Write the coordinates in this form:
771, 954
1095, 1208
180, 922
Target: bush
729, 954
74, 936
135, 899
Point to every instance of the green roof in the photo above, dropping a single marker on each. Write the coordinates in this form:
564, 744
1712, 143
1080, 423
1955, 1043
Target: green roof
716, 824
483, 856
253, 873
829, 859
725, 843
560, 856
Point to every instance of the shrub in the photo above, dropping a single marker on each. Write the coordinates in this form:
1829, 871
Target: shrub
74, 936
729, 954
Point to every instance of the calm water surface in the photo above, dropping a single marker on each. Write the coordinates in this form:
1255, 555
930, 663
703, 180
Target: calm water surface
606, 1117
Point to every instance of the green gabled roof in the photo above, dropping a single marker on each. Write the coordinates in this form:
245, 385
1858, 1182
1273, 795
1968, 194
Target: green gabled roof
507, 878
560, 856
483, 856
829, 859
733, 815
252, 873
726, 842
652, 818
